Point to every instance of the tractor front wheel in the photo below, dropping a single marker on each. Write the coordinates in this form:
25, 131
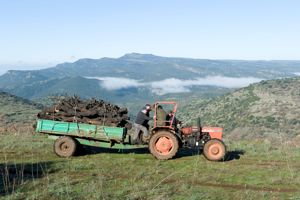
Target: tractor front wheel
163, 145
214, 150
65, 146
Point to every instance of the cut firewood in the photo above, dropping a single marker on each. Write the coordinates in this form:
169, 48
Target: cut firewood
91, 111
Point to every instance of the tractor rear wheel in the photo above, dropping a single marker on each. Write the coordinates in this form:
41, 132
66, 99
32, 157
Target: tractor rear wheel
214, 150
65, 146
163, 145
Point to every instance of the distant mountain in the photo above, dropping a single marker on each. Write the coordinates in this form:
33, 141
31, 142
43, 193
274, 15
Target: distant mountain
16, 114
144, 72
152, 68
266, 109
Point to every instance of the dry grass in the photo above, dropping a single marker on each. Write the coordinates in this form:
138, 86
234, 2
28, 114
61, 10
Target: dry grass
254, 170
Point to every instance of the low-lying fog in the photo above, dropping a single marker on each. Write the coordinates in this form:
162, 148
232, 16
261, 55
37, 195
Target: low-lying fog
174, 85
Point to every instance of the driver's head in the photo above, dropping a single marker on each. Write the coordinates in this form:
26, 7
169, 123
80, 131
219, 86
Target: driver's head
148, 107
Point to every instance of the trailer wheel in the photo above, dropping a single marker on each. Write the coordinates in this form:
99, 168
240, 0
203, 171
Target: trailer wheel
163, 145
214, 150
65, 146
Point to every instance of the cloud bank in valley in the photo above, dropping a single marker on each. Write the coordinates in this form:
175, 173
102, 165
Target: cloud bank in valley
115, 83
174, 85
297, 73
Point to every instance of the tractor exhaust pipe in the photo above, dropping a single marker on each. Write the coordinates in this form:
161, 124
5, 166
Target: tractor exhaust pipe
199, 131
199, 124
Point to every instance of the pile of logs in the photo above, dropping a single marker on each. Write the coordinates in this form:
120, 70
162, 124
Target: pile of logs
92, 111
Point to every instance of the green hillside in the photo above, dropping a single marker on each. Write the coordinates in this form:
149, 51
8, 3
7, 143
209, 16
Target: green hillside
16, 114
266, 109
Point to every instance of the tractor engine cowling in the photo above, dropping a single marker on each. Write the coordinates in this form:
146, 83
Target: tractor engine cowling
214, 132
186, 131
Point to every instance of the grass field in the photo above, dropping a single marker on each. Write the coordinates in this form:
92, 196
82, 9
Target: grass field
253, 170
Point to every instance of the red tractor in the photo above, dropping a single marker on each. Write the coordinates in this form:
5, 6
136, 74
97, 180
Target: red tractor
166, 138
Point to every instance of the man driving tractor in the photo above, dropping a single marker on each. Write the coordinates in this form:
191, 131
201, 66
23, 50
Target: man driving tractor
141, 124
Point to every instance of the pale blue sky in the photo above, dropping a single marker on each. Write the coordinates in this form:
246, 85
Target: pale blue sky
46, 32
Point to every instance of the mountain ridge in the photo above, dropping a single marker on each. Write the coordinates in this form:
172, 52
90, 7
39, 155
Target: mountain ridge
135, 66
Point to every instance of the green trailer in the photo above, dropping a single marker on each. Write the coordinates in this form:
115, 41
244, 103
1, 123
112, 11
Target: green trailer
70, 135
